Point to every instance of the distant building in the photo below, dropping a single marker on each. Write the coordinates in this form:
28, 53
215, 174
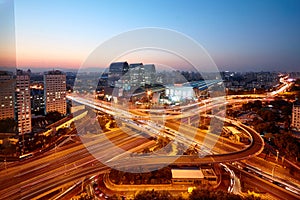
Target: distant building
136, 73
116, 72
179, 93
149, 74
7, 91
296, 115
55, 92
128, 77
23, 104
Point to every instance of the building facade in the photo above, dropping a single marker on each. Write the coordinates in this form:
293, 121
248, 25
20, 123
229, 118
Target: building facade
116, 72
7, 85
37, 101
23, 104
179, 93
296, 116
55, 92
137, 75
149, 74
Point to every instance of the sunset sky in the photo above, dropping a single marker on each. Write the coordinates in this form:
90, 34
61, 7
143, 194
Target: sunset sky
239, 35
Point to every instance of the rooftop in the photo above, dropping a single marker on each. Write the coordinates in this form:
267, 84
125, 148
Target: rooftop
208, 172
21, 72
5, 73
187, 173
54, 72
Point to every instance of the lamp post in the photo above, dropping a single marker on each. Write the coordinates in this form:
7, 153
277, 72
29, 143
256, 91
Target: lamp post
5, 162
149, 92
277, 154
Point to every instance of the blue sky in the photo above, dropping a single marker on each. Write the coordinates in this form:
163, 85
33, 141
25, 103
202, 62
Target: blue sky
242, 35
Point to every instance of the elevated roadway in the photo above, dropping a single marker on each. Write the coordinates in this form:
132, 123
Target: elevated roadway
256, 146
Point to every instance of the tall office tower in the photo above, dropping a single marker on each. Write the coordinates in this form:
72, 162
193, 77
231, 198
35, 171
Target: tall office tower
7, 91
296, 115
116, 71
23, 104
149, 74
55, 92
136, 73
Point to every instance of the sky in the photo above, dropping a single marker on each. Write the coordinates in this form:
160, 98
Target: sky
239, 35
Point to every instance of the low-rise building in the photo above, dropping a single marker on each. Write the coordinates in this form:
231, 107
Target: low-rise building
187, 176
180, 93
194, 176
236, 135
209, 176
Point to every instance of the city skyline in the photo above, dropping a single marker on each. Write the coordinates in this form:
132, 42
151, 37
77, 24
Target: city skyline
172, 99
238, 35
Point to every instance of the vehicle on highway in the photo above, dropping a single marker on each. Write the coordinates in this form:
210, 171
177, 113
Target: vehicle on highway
25, 156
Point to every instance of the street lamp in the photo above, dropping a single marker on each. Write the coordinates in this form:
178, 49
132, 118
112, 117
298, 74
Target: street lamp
149, 92
277, 154
5, 162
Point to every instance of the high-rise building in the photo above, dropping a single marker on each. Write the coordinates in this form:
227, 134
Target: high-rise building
296, 115
23, 104
130, 77
116, 71
7, 91
136, 73
149, 74
55, 92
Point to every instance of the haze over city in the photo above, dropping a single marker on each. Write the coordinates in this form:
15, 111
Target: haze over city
239, 35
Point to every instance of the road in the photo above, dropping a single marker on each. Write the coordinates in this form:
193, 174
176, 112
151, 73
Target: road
264, 185
45, 172
253, 149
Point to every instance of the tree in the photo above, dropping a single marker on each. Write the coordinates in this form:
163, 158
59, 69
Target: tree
8, 147
8, 125
53, 116
72, 125
257, 104
202, 194
287, 145
268, 115
115, 197
61, 131
157, 195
